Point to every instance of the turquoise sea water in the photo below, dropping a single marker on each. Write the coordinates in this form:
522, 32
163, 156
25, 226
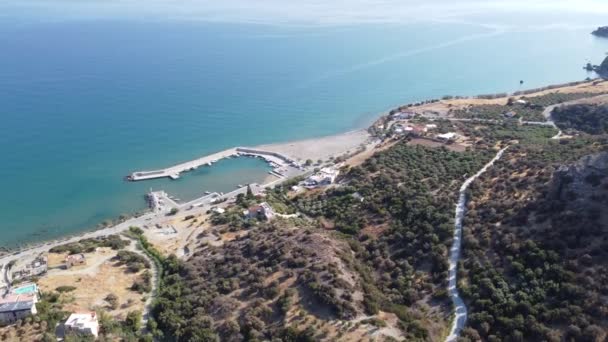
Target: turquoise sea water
85, 102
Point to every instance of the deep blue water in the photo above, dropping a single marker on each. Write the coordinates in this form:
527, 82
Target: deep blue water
83, 103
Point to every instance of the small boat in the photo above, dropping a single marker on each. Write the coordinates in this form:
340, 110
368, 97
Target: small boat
239, 186
207, 192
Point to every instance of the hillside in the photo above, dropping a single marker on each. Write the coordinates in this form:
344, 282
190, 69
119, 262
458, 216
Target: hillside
591, 119
535, 245
354, 269
248, 287
367, 259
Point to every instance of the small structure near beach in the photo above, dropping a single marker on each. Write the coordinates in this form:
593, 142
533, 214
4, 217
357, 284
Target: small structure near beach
218, 210
261, 211
82, 324
75, 260
325, 176
35, 268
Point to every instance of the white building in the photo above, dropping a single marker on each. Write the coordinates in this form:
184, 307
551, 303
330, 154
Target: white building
325, 176
82, 323
218, 210
447, 136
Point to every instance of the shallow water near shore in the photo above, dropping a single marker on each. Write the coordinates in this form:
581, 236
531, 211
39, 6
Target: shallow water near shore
83, 103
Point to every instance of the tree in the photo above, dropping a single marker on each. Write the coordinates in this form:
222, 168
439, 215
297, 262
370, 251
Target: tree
133, 321
249, 195
112, 299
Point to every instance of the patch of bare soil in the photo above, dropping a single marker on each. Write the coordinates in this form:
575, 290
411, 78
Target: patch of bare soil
100, 277
177, 234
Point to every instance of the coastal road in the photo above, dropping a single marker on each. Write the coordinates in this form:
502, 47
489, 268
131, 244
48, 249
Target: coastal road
460, 309
151, 218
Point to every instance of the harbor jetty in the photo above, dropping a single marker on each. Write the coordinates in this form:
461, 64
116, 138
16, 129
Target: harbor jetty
277, 160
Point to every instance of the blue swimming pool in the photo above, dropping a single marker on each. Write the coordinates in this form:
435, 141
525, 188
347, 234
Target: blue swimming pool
29, 288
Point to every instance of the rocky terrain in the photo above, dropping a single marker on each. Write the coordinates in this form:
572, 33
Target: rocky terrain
601, 32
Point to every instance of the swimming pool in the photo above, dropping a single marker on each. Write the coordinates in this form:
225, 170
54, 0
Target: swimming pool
25, 289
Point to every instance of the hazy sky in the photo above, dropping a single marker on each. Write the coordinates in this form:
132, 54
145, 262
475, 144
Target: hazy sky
317, 12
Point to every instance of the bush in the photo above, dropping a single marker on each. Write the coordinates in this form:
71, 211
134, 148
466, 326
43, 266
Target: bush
63, 289
112, 299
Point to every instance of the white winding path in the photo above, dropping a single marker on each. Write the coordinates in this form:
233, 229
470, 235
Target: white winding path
460, 309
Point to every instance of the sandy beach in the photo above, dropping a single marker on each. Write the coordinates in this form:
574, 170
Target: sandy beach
321, 148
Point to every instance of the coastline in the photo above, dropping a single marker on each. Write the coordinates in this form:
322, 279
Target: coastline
328, 147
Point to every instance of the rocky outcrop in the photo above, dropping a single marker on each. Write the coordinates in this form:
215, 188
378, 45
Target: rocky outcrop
601, 69
582, 186
601, 32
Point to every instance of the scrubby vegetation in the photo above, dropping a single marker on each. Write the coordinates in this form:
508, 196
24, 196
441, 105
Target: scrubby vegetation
388, 253
89, 245
534, 265
203, 298
531, 110
134, 261
591, 119
534, 257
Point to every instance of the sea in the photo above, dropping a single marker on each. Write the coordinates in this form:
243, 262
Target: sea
88, 96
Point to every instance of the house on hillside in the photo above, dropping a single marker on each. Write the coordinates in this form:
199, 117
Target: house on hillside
261, 211
417, 130
82, 324
75, 260
14, 307
451, 136
405, 115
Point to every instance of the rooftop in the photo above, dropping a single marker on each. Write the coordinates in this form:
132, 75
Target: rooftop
75, 257
82, 319
17, 302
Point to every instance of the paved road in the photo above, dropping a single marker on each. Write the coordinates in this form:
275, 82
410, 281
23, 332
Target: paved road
460, 309
146, 219
549, 109
153, 292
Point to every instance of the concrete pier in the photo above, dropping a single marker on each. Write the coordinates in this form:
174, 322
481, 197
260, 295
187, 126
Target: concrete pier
278, 160
173, 172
